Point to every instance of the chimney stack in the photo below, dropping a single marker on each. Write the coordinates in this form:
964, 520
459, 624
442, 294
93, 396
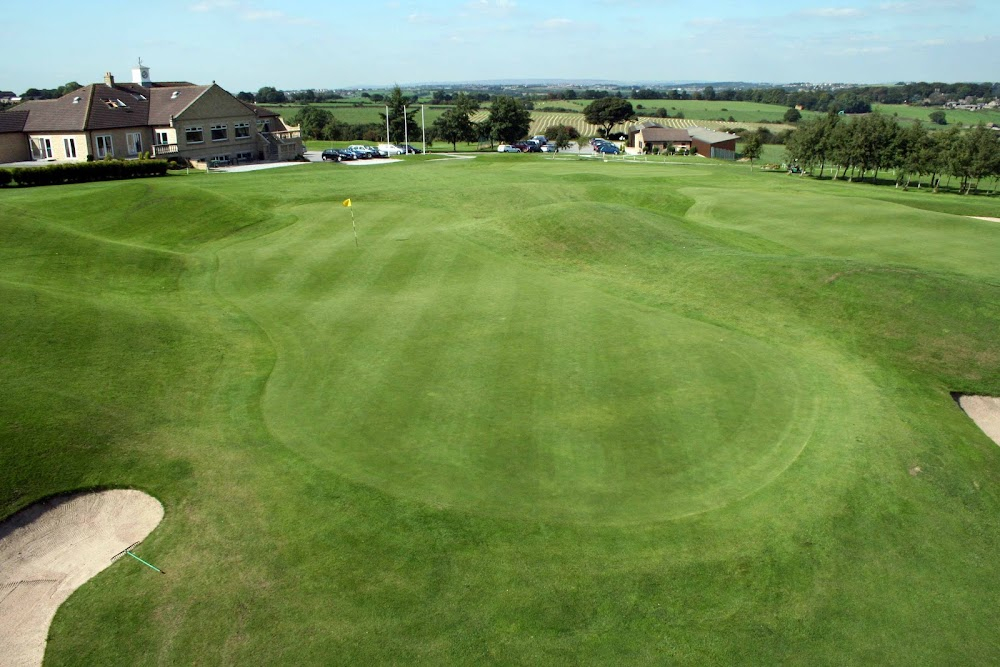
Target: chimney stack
109, 80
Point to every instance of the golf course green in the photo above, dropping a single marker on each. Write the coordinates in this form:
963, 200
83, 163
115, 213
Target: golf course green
544, 411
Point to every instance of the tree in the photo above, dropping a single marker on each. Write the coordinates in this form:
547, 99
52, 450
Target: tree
315, 123
440, 97
561, 135
508, 120
456, 124
245, 96
793, 115
400, 125
752, 148
708, 93
938, 118
68, 88
608, 112
270, 95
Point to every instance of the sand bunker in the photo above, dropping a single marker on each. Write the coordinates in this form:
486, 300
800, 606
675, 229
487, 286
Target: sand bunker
979, 217
50, 549
985, 411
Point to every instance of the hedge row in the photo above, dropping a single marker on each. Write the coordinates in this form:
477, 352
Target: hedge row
84, 172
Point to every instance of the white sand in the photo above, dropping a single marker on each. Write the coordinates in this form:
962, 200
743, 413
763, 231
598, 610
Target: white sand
979, 217
52, 548
985, 411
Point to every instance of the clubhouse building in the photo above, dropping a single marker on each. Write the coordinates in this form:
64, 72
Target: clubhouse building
180, 120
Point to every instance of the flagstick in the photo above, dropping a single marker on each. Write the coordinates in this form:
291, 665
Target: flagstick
355, 228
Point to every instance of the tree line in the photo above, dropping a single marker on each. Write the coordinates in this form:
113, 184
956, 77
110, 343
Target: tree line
856, 147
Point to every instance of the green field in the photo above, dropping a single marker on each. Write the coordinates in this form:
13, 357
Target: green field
696, 114
953, 116
550, 411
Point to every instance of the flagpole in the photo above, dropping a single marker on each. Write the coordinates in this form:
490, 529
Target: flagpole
406, 127
423, 130
387, 139
355, 228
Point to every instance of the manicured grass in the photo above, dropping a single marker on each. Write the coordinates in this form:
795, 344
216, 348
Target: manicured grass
548, 412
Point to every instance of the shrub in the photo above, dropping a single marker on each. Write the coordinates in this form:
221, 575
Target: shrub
5, 177
85, 172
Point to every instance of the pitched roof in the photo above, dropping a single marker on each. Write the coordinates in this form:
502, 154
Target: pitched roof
168, 102
260, 112
64, 114
643, 125
94, 107
710, 136
99, 106
12, 121
117, 106
664, 134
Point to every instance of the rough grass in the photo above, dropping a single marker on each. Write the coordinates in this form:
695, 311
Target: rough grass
549, 411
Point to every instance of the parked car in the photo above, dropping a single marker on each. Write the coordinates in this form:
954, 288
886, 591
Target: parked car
540, 138
608, 148
331, 155
507, 148
390, 149
364, 152
549, 148
346, 155
410, 149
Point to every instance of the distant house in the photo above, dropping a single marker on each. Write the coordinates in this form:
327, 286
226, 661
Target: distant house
8, 97
199, 124
705, 142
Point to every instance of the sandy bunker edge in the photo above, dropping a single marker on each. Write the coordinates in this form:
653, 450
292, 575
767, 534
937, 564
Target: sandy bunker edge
984, 411
52, 548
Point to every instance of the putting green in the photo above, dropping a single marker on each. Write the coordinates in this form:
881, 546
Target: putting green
434, 372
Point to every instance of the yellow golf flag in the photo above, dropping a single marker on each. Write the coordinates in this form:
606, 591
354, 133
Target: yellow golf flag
347, 202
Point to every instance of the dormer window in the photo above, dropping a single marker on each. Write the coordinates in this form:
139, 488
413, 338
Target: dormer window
77, 99
174, 95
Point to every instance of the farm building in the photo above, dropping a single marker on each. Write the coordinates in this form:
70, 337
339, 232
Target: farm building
649, 135
711, 143
124, 120
708, 143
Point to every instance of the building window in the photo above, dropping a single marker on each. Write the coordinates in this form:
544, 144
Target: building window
41, 148
242, 130
244, 157
162, 138
102, 143
69, 144
133, 140
194, 135
219, 133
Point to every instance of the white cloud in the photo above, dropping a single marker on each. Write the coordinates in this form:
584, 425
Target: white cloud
833, 12
210, 5
705, 22
264, 15
555, 24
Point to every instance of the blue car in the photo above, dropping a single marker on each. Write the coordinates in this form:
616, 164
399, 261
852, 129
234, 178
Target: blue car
607, 148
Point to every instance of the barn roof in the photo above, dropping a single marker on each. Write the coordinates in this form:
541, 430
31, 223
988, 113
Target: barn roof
710, 136
664, 134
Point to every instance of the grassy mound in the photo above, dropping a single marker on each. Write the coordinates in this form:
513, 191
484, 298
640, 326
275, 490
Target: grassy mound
549, 411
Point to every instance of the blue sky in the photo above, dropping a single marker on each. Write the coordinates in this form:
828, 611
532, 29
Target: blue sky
246, 44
